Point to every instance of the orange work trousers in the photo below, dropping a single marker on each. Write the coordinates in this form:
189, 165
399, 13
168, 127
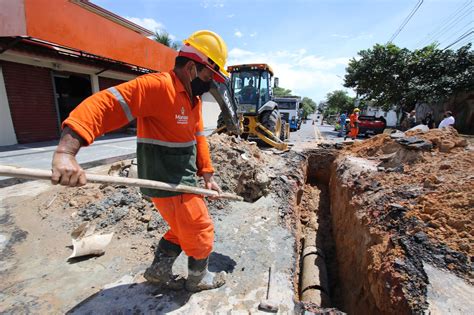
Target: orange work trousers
354, 132
190, 225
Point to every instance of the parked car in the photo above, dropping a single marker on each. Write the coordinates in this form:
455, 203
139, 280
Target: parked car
371, 125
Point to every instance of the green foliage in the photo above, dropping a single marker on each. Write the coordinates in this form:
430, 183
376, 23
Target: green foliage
389, 75
164, 38
280, 92
338, 101
309, 106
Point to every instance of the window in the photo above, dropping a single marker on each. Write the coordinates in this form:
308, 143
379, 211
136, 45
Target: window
264, 87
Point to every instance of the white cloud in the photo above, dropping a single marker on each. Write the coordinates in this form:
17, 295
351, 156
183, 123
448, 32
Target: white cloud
238, 34
230, 16
303, 73
253, 34
147, 23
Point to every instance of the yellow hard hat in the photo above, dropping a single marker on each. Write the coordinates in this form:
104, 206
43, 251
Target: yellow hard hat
356, 110
208, 48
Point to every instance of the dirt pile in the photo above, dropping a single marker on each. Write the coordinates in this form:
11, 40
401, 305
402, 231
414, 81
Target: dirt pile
242, 167
116, 209
417, 207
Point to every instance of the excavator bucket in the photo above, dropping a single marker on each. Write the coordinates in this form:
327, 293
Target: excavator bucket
223, 94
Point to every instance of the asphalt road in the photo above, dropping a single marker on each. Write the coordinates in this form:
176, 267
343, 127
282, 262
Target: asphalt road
316, 132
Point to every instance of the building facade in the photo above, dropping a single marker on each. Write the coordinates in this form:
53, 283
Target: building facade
54, 54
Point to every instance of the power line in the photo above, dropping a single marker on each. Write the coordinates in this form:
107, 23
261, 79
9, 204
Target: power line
455, 34
461, 38
452, 24
463, 43
446, 22
407, 19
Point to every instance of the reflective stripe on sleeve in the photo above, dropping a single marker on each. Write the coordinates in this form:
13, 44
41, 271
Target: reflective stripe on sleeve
200, 133
166, 143
120, 99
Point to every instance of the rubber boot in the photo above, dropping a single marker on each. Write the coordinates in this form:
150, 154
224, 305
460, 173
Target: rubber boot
199, 278
160, 271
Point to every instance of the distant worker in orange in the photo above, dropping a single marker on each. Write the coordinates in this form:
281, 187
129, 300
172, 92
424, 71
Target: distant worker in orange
171, 147
354, 124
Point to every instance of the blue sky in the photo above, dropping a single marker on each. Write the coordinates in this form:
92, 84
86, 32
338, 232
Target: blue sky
307, 42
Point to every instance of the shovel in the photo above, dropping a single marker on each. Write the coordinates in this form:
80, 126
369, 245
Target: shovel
32, 173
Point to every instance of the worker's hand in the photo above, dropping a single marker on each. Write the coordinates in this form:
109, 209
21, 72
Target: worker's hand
210, 183
66, 170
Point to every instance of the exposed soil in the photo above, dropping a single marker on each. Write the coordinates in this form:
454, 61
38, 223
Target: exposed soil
435, 188
412, 198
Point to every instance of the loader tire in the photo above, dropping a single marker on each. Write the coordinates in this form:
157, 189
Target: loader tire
269, 119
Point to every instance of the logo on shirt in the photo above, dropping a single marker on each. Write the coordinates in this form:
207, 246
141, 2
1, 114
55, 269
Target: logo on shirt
181, 119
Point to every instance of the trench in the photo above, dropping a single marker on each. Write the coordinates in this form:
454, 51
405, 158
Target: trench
334, 249
318, 277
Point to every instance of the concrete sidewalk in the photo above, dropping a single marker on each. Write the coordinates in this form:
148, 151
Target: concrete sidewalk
106, 149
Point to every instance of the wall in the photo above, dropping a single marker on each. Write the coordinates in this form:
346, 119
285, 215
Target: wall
68, 24
105, 83
7, 135
462, 106
31, 99
12, 18
210, 112
390, 116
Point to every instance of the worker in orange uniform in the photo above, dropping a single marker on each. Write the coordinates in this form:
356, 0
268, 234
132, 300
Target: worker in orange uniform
171, 147
354, 124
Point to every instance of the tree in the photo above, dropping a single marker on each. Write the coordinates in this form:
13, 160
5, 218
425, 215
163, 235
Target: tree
338, 101
309, 106
164, 38
280, 92
391, 76
380, 75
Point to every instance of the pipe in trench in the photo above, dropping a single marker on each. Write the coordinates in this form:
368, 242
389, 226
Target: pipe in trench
314, 279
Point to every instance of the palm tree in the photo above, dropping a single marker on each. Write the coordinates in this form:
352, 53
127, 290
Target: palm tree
164, 38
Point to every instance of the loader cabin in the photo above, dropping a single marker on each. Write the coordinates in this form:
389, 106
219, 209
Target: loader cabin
251, 84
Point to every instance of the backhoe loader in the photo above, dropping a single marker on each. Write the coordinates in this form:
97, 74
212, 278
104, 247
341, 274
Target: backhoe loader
247, 106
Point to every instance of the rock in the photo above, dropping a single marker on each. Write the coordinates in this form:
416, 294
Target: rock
462, 142
422, 128
284, 178
133, 170
154, 222
415, 143
262, 179
444, 167
397, 134
429, 184
421, 237
146, 218
446, 145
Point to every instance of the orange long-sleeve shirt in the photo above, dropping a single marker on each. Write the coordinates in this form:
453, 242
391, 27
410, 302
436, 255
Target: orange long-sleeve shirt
171, 146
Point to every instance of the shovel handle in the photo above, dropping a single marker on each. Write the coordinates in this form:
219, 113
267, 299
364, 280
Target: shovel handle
32, 173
